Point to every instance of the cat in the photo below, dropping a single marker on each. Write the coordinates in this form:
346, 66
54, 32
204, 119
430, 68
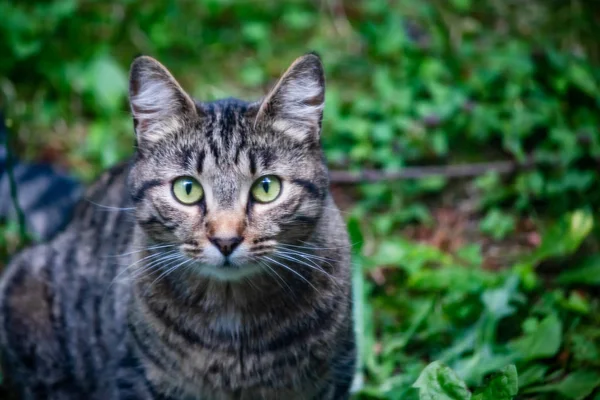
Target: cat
213, 265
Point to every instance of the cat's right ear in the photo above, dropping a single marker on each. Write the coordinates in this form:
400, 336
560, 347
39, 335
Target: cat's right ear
294, 107
158, 103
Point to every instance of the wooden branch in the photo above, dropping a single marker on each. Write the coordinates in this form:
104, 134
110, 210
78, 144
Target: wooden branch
445, 171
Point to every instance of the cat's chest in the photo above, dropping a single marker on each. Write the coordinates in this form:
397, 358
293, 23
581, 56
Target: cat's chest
227, 346
225, 385
229, 322
230, 352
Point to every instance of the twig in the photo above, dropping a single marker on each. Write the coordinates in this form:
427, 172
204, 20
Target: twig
447, 171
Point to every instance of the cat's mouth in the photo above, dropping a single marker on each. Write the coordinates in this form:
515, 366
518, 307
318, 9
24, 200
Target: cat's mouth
210, 262
228, 271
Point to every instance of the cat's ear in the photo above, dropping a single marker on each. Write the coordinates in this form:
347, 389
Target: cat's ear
295, 105
158, 103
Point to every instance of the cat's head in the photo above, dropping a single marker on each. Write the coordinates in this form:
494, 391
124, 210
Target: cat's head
228, 185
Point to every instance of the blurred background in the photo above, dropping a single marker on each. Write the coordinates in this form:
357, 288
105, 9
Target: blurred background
462, 137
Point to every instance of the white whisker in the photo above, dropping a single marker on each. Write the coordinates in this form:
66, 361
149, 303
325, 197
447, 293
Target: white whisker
312, 247
170, 270
276, 274
158, 258
110, 208
308, 255
314, 266
292, 270
144, 249
155, 265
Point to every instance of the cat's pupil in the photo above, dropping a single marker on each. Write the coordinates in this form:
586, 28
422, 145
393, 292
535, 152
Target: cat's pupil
188, 187
265, 184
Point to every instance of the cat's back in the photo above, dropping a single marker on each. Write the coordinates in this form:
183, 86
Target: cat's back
59, 321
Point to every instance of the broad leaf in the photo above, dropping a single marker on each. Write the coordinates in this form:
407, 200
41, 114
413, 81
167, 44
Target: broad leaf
543, 341
502, 385
577, 385
439, 382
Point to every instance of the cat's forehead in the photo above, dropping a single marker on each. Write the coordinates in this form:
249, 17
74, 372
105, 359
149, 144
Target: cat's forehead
226, 116
225, 125
225, 110
225, 133
224, 140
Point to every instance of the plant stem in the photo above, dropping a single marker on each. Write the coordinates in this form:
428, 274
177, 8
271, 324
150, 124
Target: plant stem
13, 188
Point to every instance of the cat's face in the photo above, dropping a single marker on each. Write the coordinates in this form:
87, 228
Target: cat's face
229, 188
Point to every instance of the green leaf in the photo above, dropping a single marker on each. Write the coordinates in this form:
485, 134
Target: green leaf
583, 79
532, 374
544, 340
355, 233
577, 385
563, 237
107, 83
587, 273
502, 385
586, 350
576, 302
497, 301
439, 382
422, 311
498, 224
452, 278
482, 362
412, 257
581, 224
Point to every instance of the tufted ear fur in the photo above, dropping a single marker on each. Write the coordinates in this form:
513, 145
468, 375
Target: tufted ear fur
295, 105
158, 104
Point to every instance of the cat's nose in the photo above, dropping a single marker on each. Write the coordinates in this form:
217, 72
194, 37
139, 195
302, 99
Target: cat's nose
226, 244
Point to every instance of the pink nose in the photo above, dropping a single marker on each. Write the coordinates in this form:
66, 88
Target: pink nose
226, 244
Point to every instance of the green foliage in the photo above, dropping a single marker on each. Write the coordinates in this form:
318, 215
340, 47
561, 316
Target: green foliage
498, 224
409, 82
438, 382
542, 339
502, 385
587, 273
577, 385
434, 305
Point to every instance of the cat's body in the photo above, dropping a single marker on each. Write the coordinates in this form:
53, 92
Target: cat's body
132, 301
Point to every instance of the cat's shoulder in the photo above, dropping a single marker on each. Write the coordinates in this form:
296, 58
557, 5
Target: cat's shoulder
27, 285
104, 198
110, 186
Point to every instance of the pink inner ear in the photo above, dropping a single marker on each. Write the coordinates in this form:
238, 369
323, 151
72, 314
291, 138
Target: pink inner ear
142, 124
145, 114
294, 106
157, 101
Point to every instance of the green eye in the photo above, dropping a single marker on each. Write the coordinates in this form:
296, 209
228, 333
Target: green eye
266, 189
187, 190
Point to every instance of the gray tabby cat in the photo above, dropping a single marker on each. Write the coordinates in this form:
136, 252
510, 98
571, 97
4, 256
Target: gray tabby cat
217, 266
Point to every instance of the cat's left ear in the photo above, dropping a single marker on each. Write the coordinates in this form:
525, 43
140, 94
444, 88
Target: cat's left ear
294, 106
158, 103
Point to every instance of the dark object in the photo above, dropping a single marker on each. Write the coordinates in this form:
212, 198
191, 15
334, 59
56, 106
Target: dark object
45, 195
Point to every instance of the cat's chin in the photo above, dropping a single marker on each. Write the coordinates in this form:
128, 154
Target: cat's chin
228, 273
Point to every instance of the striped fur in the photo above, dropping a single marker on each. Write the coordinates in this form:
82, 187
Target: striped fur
132, 301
